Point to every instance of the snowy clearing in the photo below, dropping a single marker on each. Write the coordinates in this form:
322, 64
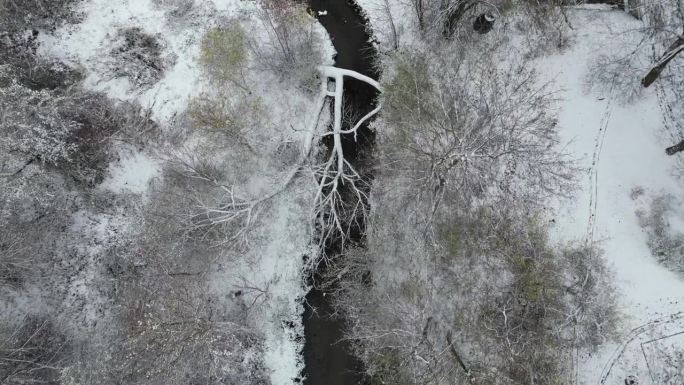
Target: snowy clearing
621, 148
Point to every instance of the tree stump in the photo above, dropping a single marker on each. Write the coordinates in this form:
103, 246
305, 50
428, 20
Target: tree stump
484, 23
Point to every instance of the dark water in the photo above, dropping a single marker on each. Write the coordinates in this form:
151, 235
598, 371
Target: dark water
328, 361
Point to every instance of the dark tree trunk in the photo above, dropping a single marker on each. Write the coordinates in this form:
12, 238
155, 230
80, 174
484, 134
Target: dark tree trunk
454, 353
670, 54
454, 15
675, 149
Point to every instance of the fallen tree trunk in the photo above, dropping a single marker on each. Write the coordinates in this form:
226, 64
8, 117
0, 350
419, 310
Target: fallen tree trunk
457, 356
675, 149
654, 73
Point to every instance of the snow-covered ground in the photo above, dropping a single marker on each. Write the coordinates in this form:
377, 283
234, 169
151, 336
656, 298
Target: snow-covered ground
621, 148
382, 15
274, 262
132, 172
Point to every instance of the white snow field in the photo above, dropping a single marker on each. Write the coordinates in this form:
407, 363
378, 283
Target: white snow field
620, 145
275, 258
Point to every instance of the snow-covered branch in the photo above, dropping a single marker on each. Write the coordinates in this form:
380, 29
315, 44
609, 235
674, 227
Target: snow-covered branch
334, 213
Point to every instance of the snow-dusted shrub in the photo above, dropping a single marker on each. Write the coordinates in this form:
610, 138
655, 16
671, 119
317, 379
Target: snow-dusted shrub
293, 49
19, 16
68, 129
32, 350
447, 19
226, 119
170, 326
202, 196
542, 24
140, 57
20, 63
17, 261
476, 300
20, 24
34, 126
176, 8
224, 54
665, 241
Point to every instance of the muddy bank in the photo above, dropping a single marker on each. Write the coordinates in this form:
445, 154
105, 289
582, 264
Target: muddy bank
328, 361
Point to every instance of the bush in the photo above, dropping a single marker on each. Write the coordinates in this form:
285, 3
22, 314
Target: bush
224, 54
68, 129
666, 243
20, 63
35, 126
139, 57
33, 351
16, 259
176, 8
472, 290
19, 16
225, 120
171, 327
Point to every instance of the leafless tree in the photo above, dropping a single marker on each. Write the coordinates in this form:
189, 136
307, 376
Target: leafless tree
291, 48
34, 350
462, 128
485, 302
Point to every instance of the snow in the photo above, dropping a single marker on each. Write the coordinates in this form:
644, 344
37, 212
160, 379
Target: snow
620, 147
88, 44
281, 236
132, 173
275, 265
378, 13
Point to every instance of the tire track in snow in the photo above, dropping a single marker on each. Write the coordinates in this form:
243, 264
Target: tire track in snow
593, 173
633, 335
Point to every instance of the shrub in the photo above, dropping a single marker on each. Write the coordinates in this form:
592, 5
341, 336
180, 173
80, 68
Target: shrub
139, 57
293, 49
34, 351
224, 119
68, 129
665, 242
463, 130
176, 8
19, 16
223, 54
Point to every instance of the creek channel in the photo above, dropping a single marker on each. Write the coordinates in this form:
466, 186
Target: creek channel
329, 360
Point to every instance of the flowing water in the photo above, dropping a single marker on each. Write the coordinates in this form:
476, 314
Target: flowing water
328, 360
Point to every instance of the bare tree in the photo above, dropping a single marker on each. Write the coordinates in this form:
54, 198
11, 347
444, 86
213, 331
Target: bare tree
34, 350
465, 129
292, 48
485, 302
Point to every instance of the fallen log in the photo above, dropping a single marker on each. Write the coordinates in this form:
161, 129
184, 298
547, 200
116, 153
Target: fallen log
659, 66
675, 149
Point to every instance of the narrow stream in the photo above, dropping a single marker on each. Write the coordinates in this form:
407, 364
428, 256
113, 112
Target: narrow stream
327, 360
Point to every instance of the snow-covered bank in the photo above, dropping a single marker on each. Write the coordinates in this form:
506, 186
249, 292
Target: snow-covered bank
271, 271
621, 148
391, 21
